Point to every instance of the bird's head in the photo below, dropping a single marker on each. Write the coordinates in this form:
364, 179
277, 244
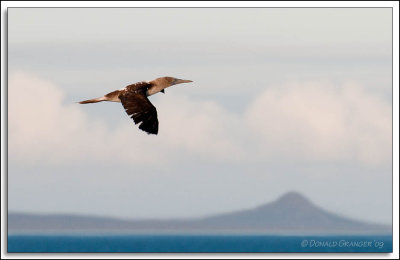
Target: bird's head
170, 81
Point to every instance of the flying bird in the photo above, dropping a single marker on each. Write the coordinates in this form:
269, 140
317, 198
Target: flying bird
135, 102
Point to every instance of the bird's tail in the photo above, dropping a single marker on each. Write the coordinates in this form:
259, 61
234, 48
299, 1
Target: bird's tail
94, 100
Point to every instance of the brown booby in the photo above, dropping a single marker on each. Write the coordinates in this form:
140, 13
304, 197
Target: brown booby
135, 102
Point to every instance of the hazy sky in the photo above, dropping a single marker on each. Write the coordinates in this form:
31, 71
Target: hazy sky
282, 100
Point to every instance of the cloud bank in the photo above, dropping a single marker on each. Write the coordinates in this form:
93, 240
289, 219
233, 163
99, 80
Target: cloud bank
318, 121
322, 121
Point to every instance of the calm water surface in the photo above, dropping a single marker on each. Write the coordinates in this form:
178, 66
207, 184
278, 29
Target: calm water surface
197, 243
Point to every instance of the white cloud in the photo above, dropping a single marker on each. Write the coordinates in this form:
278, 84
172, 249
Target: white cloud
201, 126
322, 121
43, 129
313, 121
39, 125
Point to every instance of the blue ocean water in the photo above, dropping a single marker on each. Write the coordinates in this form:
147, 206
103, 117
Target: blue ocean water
196, 243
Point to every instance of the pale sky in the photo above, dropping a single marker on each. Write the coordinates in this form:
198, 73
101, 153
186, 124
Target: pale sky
282, 99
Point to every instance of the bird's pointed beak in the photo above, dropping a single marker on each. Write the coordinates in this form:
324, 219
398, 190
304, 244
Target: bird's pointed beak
179, 81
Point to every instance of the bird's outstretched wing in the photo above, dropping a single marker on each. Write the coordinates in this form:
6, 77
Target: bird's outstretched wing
140, 109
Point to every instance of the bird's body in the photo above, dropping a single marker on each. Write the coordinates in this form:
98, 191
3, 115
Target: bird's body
134, 99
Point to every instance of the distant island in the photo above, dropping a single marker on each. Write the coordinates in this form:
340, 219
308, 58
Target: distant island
291, 214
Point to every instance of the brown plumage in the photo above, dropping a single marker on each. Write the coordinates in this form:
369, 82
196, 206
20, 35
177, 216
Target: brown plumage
134, 99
